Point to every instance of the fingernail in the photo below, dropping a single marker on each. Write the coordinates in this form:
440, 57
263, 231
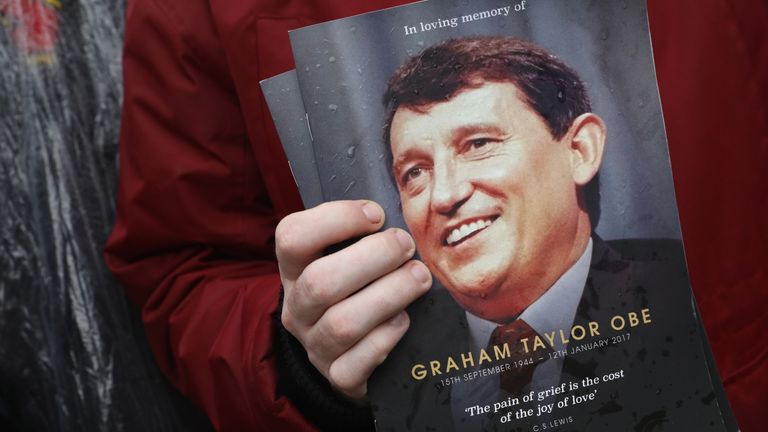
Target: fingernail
405, 240
398, 319
420, 273
372, 212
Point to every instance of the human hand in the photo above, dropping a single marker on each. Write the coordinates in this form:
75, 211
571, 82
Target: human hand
348, 308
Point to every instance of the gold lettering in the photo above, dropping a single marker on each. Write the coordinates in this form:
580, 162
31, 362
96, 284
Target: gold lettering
550, 338
467, 360
501, 353
418, 372
538, 343
484, 357
620, 320
578, 332
435, 365
633, 321
593, 328
451, 364
646, 314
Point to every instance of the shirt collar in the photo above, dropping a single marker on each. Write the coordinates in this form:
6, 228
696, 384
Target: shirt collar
553, 311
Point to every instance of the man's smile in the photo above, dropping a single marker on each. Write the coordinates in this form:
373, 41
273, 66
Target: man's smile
466, 229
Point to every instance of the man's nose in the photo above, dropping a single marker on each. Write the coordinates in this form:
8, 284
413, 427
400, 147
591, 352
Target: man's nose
450, 188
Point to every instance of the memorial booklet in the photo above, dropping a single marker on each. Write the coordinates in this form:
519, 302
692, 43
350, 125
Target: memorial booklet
292, 124
495, 132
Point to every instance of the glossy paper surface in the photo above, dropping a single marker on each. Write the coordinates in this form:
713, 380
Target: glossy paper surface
343, 67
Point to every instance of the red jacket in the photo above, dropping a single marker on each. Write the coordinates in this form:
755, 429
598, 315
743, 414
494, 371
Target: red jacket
203, 182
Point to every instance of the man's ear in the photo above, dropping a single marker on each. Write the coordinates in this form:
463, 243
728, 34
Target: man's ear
587, 136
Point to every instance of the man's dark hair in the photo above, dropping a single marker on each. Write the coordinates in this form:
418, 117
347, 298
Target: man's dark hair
549, 86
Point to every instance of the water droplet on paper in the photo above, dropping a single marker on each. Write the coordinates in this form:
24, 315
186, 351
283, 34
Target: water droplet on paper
333, 107
332, 59
351, 151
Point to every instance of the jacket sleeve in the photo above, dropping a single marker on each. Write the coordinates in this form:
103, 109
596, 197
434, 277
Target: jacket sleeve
193, 240
712, 64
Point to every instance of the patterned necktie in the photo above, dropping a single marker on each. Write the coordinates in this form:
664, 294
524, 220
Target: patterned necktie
514, 380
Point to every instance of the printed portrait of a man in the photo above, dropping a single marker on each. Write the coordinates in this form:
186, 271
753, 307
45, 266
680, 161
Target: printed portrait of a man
495, 153
493, 146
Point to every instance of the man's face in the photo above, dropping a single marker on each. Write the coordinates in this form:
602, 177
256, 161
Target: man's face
488, 195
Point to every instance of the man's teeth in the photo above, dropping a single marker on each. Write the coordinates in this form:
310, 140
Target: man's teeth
464, 230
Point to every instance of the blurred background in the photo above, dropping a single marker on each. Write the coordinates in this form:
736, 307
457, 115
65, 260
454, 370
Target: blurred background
72, 351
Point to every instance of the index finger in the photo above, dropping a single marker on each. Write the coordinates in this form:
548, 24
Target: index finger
301, 237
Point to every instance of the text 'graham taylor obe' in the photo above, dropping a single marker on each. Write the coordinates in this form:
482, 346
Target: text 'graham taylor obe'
420, 371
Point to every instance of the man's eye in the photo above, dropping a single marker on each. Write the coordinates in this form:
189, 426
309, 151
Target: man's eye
412, 174
479, 142
480, 147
